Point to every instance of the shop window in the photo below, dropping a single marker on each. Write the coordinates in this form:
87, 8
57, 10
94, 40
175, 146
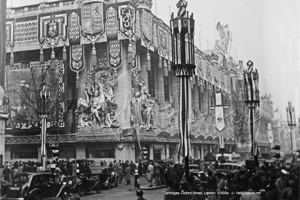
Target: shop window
20, 153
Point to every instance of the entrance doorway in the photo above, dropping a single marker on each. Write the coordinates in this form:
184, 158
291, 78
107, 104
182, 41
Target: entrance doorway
157, 154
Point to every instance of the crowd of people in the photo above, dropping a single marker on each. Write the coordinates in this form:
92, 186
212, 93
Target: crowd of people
267, 182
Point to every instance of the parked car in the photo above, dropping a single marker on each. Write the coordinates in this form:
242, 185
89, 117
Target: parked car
109, 178
3, 185
83, 184
229, 168
36, 186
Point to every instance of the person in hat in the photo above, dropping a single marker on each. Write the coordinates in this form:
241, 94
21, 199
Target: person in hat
281, 181
139, 194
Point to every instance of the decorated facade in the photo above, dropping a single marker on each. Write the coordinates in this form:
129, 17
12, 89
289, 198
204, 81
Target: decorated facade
107, 67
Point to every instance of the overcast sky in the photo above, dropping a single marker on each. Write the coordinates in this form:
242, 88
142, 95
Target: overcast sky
264, 31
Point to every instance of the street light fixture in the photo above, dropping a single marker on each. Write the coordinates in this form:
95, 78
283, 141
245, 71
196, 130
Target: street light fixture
252, 99
183, 58
291, 120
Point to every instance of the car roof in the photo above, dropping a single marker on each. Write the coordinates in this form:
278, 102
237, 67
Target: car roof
235, 164
34, 173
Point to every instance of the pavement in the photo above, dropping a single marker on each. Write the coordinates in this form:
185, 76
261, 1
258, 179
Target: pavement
144, 184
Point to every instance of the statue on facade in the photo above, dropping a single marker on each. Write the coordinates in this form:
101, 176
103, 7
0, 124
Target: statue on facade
98, 107
4, 100
142, 107
225, 37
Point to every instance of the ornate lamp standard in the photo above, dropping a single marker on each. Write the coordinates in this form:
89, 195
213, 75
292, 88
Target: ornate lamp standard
291, 120
44, 98
252, 99
183, 66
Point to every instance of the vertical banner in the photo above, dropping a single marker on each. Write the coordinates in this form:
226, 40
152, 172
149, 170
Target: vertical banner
185, 110
220, 125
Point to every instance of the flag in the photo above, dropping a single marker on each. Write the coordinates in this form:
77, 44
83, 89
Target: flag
276, 110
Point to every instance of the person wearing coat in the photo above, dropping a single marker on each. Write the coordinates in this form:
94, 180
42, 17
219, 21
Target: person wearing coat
127, 174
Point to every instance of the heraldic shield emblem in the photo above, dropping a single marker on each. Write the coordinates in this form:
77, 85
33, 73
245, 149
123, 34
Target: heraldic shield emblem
52, 29
92, 18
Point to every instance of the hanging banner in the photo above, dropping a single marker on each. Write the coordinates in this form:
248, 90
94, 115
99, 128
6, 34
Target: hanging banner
270, 133
92, 18
220, 125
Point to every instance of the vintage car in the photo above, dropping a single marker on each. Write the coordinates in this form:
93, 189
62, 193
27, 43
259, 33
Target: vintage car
229, 168
108, 177
36, 186
83, 184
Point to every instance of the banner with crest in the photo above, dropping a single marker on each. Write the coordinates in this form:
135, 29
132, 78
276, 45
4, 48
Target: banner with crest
92, 18
127, 20
146, 28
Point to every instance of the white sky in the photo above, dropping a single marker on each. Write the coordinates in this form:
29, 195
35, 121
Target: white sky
264, 31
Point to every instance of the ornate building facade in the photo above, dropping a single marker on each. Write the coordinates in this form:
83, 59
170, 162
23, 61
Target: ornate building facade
107, 67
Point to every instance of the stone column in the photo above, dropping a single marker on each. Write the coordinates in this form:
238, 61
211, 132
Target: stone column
143, 59
160, 92
210, 148
122, 92
2, 140
163, 153
195, 93
167, 151
202, 153
198, 153
151, 152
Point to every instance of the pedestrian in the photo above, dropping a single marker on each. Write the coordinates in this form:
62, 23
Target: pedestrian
170, 176
140, 168
150, 172
74, 168
120, 171
139, 194
128, 174
211, 182
157, 168
48, 167
6, 174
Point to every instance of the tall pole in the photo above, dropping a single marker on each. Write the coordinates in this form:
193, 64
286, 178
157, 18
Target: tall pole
44, 95
183, 66
252, 100
290, 110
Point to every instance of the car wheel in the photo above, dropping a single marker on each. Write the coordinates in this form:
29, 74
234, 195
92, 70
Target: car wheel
65, 195
109, 185
81, 190
36, 196
98, 187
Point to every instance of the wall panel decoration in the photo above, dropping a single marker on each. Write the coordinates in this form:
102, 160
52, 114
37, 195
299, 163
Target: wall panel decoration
138, 24
92, 18
26, 32
23, 87
74, 29
112, 24
127, 20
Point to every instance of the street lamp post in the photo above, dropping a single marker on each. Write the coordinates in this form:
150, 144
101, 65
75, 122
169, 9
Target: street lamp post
183, 66
44, 97
291, 120
252, 99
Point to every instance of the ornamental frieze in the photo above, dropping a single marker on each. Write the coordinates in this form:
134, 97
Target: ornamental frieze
37, 139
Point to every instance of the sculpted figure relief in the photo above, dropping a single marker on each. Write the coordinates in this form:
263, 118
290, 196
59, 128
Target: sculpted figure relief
98, 107
225, 37
142, 107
